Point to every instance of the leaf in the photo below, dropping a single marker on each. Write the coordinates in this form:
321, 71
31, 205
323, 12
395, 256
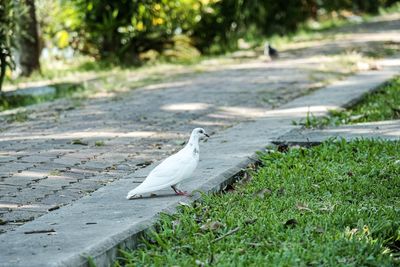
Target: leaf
79, 142
303, 207
183, 204
246, 178
249, 221
263, 192
327, 208
291, 223
283, 148
211, 226
55, 173
280, 192
228, 188
91, 262
62, 39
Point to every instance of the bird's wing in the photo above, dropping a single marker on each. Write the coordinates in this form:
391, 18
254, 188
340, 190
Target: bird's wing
167, 173
169, 170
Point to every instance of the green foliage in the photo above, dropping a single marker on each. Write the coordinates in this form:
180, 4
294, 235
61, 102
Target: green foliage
384, 104
62, 90
10, 11
99, 143
121, 31
332, 205
370, 6
60, 22
21, 116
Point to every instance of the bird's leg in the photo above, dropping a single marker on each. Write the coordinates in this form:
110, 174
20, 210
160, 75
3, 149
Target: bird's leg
178, 191
174, 188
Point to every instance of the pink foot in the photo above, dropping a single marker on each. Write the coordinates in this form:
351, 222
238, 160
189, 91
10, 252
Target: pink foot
179, 192
182, 193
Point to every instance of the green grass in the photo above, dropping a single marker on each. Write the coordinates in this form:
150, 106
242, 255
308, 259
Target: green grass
21, 116
336, 204
383, 104
55, 173
79, 142
61, 90
99, 143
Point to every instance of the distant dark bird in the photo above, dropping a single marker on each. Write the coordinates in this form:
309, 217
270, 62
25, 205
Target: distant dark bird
270, 51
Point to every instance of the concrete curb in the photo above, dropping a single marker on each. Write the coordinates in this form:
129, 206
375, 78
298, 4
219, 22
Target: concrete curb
382, 130
97, 225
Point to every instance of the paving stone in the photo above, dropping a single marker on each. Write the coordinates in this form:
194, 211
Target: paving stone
28, 195
96, 165
20, 216
6, 227
36, 159
8, 189
17, 180
5, 159
68, 161
15, 167
55, 182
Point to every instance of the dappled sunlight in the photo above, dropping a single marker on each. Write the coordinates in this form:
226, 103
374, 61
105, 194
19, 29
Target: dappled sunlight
166, 85
9, 206
95, 135
241, 112
300, 111
186, 107
30, 174
17, 206
210, 123
82, 134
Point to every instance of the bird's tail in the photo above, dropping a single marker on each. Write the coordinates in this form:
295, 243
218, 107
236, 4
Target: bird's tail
145, 188
132, 193
141, 189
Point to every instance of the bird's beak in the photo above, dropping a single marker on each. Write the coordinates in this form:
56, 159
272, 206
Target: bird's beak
206, 135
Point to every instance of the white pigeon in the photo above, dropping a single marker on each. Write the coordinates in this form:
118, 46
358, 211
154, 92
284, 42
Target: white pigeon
174, 169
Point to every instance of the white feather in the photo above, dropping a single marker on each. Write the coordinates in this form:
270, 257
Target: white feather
173, 169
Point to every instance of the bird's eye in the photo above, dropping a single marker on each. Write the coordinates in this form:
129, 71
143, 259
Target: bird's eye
201, 131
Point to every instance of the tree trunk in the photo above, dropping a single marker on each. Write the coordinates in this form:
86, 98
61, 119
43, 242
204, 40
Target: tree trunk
3, 65
29, 40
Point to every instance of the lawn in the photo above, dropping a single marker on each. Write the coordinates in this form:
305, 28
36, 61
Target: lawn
336, 204
382, 104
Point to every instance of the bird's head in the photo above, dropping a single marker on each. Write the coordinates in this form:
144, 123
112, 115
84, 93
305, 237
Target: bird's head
199, 132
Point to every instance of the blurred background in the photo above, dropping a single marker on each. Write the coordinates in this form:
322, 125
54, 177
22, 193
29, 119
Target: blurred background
43, 39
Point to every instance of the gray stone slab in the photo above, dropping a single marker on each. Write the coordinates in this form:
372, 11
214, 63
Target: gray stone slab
5, 159
34, 91
36, 159
97, 224
385, 130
